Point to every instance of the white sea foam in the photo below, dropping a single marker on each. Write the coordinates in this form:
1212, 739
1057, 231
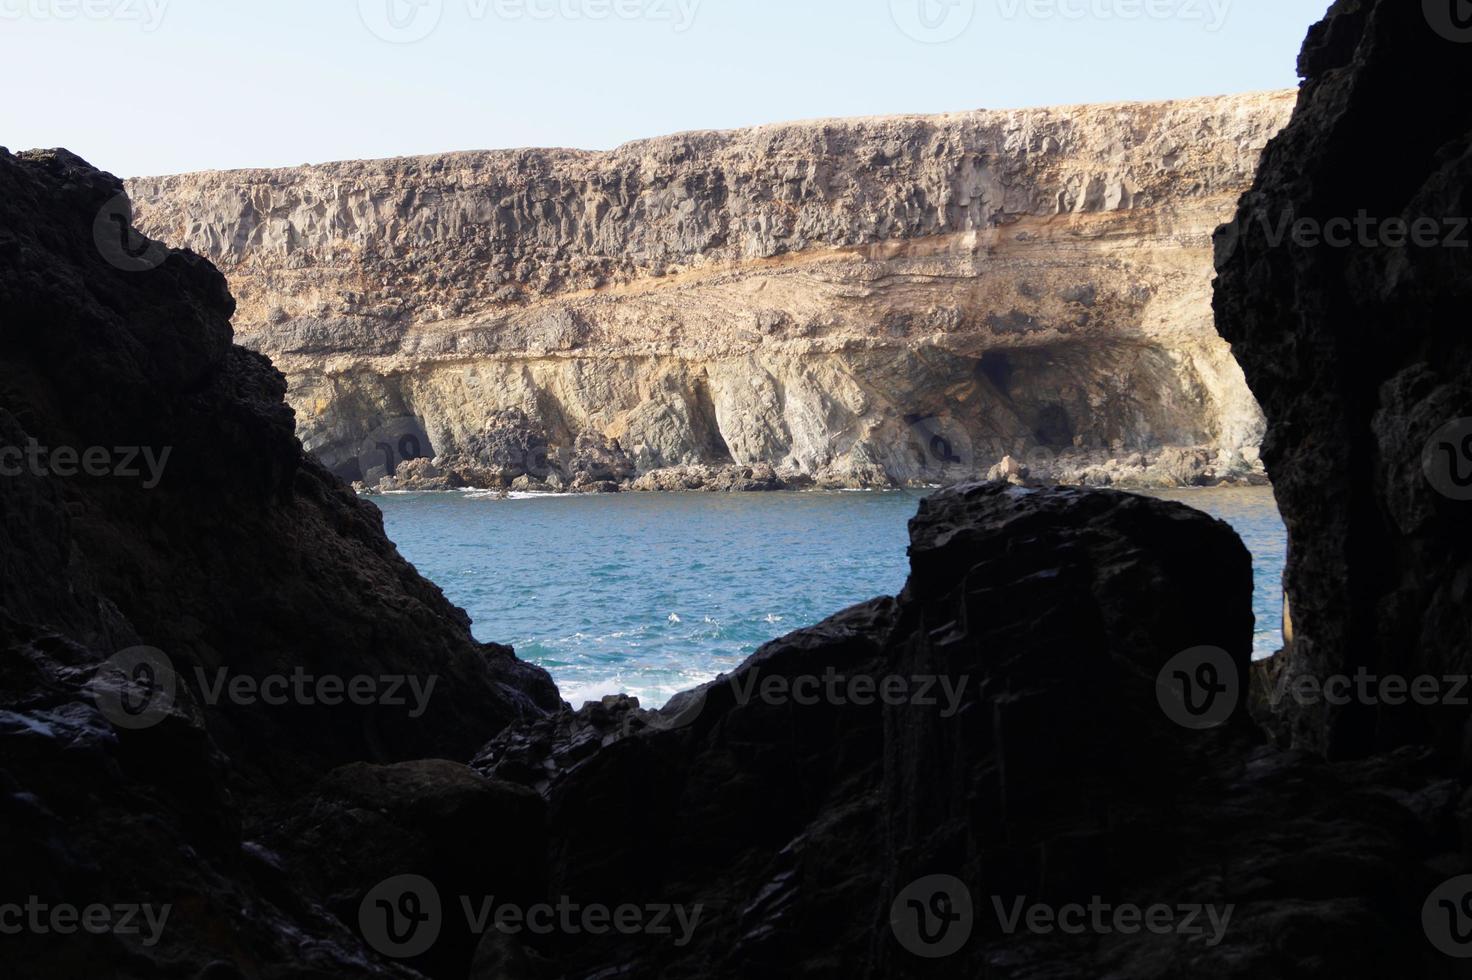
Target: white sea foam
475, 494
651, 693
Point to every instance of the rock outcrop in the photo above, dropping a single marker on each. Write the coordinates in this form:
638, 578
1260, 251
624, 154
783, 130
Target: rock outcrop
197, 620
1018, 749
903, 299
1353, 335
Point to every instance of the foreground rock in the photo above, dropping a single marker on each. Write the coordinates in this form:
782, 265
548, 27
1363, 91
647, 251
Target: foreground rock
153, 492
855, 303
1022, 751
1362, 359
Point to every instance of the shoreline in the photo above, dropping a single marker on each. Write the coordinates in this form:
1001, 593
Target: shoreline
1164, 468
488, 493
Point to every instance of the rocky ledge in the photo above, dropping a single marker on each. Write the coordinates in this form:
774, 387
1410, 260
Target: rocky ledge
846, 303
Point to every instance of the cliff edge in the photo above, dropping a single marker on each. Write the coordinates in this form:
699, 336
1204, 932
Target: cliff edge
843, 302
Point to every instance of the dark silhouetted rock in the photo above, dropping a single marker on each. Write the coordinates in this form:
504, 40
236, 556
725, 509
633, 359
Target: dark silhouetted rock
1356, 343
201, 530
1053, 774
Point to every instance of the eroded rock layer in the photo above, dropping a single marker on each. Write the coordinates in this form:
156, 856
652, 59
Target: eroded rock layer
904, 299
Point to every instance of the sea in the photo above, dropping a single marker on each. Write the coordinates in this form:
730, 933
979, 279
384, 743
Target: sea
652, 594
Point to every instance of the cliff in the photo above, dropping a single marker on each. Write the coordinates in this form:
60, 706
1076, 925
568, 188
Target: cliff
904, 299
197, 620
1360, 354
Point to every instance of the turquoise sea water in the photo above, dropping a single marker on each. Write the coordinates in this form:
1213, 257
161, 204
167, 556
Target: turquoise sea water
651, 594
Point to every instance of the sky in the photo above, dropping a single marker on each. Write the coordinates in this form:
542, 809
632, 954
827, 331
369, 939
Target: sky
142, 87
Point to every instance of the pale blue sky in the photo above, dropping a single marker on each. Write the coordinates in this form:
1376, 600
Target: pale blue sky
162, 86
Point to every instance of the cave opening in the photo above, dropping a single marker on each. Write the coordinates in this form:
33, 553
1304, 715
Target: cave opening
1054, 428
996, 367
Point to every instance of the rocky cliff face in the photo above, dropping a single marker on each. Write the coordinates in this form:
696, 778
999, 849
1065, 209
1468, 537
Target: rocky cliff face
900, 299
1354, 337
196, 618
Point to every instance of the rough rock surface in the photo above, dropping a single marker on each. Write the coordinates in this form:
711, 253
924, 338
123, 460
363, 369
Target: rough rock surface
1055, 776
1361, 356
239, 554
852, 302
